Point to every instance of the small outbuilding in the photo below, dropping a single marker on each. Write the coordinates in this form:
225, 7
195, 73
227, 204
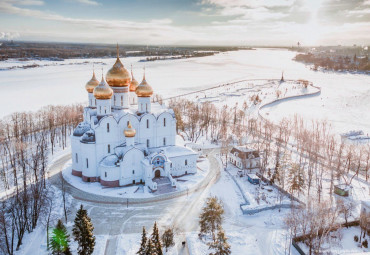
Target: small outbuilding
343, 190
254, 179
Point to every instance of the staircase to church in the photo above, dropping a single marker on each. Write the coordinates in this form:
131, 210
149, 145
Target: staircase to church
163, 185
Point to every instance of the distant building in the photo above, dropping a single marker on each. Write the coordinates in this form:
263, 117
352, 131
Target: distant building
244, 158
365, 215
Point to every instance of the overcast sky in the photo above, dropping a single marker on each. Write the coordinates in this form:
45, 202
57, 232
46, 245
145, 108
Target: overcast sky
208, 22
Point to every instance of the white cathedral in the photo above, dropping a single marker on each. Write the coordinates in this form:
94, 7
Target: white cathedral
125, 138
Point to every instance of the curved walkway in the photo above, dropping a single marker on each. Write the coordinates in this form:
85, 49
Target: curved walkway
56, 178
281, 100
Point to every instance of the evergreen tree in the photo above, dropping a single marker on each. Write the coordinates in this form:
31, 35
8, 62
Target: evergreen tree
167, 238
211, 217
220, 245
83, 232
59, 240
156, 240
143, 246
295, 179
150, 248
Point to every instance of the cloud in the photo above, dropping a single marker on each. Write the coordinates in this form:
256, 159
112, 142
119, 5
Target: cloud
237, 22
87, 2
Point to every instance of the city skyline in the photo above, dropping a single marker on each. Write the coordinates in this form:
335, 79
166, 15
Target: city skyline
188, 22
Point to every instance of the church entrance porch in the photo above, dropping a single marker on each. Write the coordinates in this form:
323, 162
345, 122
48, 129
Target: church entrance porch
163, 185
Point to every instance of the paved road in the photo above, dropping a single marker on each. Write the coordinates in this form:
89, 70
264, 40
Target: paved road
114, 218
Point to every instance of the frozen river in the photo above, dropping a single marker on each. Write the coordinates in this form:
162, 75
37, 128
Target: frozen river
345, 98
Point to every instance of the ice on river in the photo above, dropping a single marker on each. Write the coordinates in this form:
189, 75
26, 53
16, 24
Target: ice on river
345, 98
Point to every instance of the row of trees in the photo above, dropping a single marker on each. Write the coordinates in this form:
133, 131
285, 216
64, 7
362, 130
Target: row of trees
316, 222
295, 154
153, 244
26, 141
82, 233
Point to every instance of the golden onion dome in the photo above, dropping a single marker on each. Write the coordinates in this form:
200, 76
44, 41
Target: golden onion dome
91, 84
144, 89
134, 83
103, 91
118, 75
129, 131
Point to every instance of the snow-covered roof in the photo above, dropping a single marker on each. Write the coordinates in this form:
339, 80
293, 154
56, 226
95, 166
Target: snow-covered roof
81, 128
176, 151
253, 176
88, 136
109, 161
121, 150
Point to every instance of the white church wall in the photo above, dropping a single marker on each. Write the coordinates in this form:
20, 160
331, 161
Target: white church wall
181, 167
88, 160
76, 156
130, 168
147, 133
165, 131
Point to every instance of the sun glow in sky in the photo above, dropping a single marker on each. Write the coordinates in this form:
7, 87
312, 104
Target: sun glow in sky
212, 22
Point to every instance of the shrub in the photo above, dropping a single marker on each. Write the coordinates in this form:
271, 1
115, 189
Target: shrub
355, 238
364, 243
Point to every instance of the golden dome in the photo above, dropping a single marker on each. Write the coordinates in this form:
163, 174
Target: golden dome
129, 131
91, 84
103, 91
134, 83
144, 89
118, 75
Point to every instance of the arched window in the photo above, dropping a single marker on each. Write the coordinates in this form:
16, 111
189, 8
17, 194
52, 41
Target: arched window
164, 122
76, 158
164, 141
108, 148
186, 162
147, 143
147, 123
105, 174
95, 101
114, 99
87, 163
133, 171
107, 127
128, 122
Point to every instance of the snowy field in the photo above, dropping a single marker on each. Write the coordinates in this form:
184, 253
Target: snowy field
344, 100
346, 244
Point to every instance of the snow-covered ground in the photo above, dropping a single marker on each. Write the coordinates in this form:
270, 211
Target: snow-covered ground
345, 244
258, 196
262, 233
